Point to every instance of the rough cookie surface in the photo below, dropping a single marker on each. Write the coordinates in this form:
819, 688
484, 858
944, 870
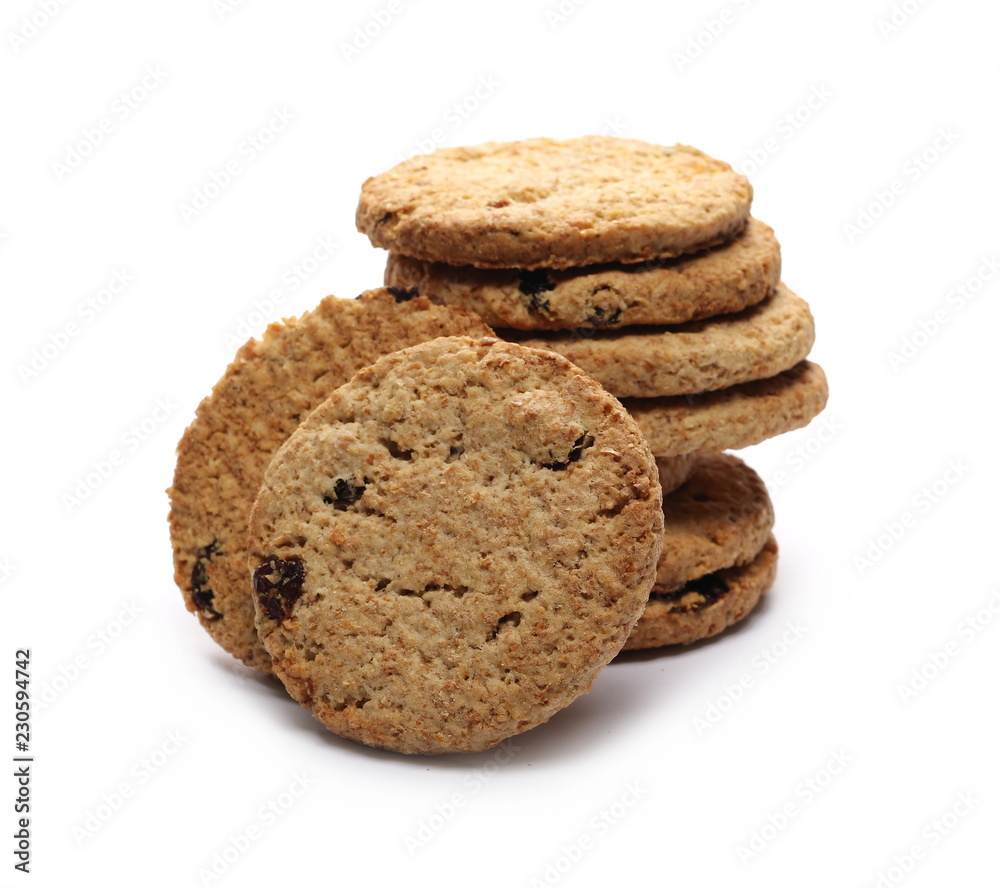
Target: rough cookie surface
452, 546
721, 516
547, 203
733, 417
705, 606
712, 282
270, 386
700, 356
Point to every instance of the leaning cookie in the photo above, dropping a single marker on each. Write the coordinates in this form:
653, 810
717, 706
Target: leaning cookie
453, 545
733, 417
722, 280
273, 384
547, 203
705, 606
700, 356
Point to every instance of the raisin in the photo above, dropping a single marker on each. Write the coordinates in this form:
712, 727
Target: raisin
343, 494
603, 317
278, 585
533, 283
579, 445
401, 294
201, 595
710, 587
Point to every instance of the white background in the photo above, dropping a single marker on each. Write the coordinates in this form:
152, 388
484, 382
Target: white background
687, 765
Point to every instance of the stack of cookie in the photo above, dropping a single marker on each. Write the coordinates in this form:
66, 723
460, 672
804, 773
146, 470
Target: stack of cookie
642, 265
436, 533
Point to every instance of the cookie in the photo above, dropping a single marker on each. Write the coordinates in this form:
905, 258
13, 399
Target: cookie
721, 516
705, 606
269, 387
546, 203
722, 280
700, 356
453, 545
674, 470
734, 417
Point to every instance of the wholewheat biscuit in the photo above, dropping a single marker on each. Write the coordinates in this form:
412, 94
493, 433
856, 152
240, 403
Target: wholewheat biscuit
733, 417
705, 606
270, 386
700, 356
453, 545
722, 280
721, 516
547, 203
675, 470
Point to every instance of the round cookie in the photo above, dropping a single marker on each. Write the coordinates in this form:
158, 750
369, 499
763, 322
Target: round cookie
733, 417
270, 386
706, 606
453, 545
722, 280
721, 516
547, 203
700, 356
